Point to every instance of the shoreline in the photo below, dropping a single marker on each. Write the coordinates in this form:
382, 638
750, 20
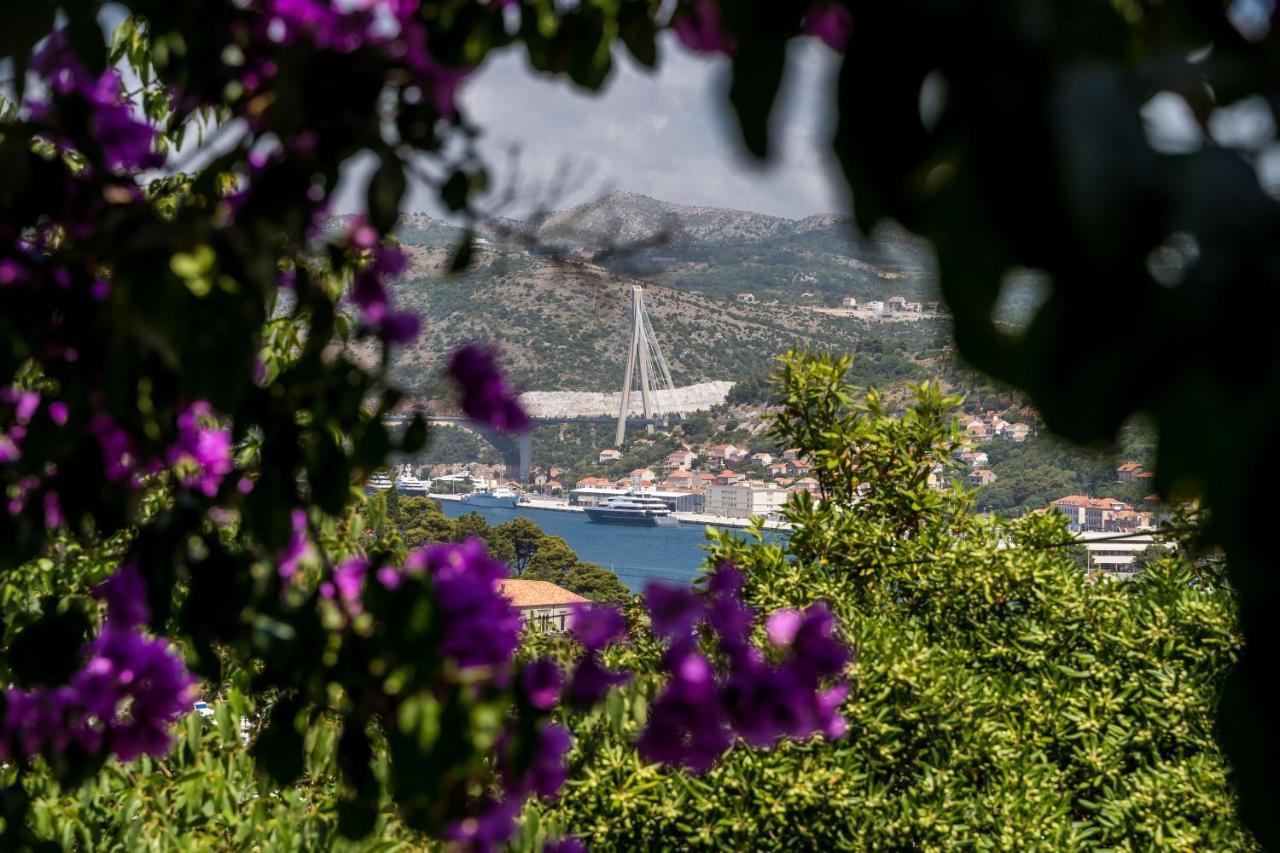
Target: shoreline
690, 518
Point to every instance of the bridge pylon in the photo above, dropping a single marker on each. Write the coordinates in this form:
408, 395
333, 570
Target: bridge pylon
644, 357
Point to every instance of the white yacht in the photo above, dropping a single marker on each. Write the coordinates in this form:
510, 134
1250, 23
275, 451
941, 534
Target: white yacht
407, 484
379, 482
497, 496
633, 509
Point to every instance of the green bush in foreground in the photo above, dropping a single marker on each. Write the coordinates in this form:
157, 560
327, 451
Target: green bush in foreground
1000, 699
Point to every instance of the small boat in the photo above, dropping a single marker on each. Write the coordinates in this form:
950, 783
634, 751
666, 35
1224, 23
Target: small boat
499, 496
633, 509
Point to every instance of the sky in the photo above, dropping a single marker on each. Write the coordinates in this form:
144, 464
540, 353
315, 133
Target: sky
665, 133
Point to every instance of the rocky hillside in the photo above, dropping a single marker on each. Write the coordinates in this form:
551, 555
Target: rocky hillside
555, 292
565, 326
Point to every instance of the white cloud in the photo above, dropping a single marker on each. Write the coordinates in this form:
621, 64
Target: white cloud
667, 133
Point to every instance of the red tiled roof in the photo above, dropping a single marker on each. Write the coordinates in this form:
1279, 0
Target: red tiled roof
525, 593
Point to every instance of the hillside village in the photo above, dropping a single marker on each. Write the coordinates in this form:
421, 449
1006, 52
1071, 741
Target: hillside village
724, 465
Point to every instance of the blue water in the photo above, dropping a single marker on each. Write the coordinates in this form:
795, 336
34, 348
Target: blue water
636, 555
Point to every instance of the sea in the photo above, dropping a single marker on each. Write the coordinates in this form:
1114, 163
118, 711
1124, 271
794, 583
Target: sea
636, 555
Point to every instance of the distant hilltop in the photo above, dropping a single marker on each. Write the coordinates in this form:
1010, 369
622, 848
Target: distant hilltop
627, 217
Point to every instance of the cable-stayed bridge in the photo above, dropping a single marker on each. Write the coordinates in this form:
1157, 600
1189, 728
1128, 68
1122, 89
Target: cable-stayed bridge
648, 398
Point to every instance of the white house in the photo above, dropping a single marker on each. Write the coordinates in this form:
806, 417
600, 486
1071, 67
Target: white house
610, 455
849, 302
1113, 555
746, 297
544, 606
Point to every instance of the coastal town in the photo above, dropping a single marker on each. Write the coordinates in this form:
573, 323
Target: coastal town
735, 485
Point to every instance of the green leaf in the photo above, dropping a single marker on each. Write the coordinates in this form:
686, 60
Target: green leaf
386, 190
757, 74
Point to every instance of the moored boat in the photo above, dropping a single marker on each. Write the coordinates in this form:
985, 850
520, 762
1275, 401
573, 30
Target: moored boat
635, 509
499, 496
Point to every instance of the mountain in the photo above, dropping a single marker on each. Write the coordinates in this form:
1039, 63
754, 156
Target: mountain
565, 325
555, 292
621, 218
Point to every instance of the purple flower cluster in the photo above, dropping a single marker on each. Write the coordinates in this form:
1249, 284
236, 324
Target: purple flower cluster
542, 774
390, 26
346, 584
486, 396
701, 30
25, 405
832, 22
299, 547
119, 456
479, 625
201, 456
596, 627
126, 142
124, 699
369, 292
700, 710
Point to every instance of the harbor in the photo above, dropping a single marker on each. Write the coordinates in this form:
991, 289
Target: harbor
685, 518
635, 554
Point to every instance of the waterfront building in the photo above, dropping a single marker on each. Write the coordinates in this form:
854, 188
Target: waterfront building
744, 499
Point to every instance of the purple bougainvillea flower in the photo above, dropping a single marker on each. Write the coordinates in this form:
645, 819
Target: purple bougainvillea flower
127, 143
831, 22
345, 584
11, 271
125, 697
493, 822
52, 511
701, 29
687, 723
546, 772
591, 681
399, 327
299, 547
815, 648
673, 610
541, 681
118, 456
125, 594
486, 396
725, 580
596, 626
568, 844
202, 454
478, 624
781, 626
702, 708
733, 621
138, 687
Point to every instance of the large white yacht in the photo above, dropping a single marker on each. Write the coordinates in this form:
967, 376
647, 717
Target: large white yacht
379, 482
497, 496
633, 509
408, 484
